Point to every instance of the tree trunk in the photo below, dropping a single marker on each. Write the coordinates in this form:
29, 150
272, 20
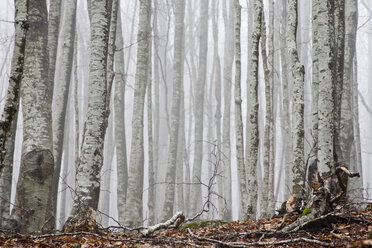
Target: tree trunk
37, 165
287, 126
199, 109
61, 91
133, 210
325, 101
238, 107
339, 50
268, 117
298, 167
8, 121
228, 17
253, 139
347, 137
217, 87
91, 156
120, 136
176, 103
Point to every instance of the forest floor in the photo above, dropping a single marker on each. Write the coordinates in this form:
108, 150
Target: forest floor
350, 229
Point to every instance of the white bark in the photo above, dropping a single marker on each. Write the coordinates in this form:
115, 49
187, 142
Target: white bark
238, 108
53, 32
315, 75
199, 109
287, 126
325, 101
339, 40
8, 119
91, 156
347, 141
120, 136
35, 178
217, 94
228, 16
268, 116
273, 62
298, 167
133, 210
357, 184
253, 139
176, 110
61, 91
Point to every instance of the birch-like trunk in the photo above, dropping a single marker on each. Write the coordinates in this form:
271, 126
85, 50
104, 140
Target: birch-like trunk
357, 183
196, 189
268, 113
120, 136
61, 91
53, 32
247, 127
325, 100
151, 168
133, 210
339, 50
218, 95
273, 61
286, 117
298, 167
238, 107
156, 129
253, 139
8, 119
37, 164
347, 141
315, 76
176, 110
87, 180
228, 17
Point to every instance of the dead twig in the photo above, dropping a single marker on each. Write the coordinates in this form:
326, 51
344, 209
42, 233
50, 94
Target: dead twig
259, 243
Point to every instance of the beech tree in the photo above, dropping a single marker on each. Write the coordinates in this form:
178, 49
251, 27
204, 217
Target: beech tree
61, 90
199, 108
298, 167
238, 107
133, 211
91, 156
8, 121
176, 110
37, 165
253, 139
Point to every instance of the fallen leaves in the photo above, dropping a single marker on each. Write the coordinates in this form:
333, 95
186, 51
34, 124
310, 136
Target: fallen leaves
352, 231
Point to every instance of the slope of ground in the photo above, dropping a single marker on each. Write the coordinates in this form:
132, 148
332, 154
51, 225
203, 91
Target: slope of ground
352, 229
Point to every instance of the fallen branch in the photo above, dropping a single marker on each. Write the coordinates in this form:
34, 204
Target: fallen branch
244, 244
174, 222
307, 220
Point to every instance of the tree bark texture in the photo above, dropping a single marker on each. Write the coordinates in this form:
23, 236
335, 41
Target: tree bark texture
325, 100
238, 107
133, 211
176, 110
298, 167
120, 136
8, 121
91, 156
199, 109
253, 138
37, 164
228, 17
61, 91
